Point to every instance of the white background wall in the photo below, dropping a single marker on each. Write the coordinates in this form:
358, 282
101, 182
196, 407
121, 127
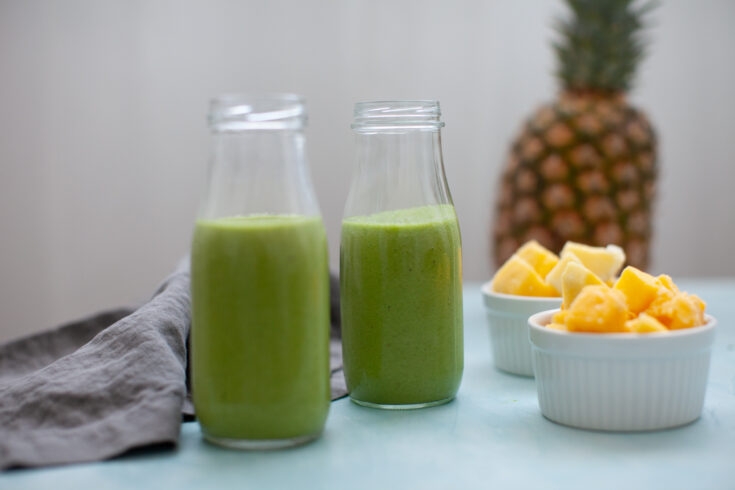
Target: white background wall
103, 142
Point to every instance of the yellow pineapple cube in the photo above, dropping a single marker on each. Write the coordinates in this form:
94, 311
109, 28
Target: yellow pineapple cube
575, 277
538, 257
677, 310
605, 262
559, 316
644, 323
698, 301
597, 309
553, 278
639, 288
519, 278
668, 283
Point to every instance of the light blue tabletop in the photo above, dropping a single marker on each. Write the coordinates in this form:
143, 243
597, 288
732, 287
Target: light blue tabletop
491, 436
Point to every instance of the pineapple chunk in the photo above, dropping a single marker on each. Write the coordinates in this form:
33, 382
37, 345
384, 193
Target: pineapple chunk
698, 301
538, 257
645, 324
597, 309
639, 288
604, 262
553, 278
668, 283
638, 302
677, 310
517, 277
559, 317
575, 277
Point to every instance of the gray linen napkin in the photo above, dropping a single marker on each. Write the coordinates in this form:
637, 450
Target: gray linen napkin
113, 382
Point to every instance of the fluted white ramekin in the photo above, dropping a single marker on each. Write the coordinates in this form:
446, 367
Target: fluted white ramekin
619, 381
507, 316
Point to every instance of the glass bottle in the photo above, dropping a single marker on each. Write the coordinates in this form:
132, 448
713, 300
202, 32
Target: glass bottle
400, 262
259, 281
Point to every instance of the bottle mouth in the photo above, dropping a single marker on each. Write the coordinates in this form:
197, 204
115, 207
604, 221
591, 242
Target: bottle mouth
397, 115
240, 112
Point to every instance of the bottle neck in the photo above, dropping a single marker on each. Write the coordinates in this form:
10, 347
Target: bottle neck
258, 172
397, 169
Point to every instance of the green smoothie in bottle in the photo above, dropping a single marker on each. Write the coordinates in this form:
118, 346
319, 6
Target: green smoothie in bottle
401, 303
400, 262
259, 281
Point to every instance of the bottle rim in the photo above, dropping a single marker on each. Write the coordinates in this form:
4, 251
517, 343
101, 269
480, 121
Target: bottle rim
245, 111
388, 115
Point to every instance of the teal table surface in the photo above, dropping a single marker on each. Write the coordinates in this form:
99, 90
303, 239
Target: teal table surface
492, 436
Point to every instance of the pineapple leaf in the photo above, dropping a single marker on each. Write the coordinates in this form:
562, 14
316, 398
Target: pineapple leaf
601, 44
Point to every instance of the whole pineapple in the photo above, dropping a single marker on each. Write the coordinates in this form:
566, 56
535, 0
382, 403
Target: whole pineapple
584, 167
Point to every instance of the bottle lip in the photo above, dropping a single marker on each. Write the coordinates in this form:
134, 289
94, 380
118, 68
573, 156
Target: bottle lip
389, 115
245, 111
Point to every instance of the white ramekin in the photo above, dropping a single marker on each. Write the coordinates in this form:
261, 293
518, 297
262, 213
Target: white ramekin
619, 381
507, 316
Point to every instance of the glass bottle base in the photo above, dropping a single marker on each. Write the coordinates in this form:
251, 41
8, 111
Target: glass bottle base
407, 406
260, 444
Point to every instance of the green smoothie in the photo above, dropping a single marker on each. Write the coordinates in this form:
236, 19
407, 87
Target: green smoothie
260, 326
401, 303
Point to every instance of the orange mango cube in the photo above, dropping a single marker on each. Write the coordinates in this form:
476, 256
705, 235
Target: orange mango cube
517, 277
559, 316
677, 310
644, 323
597, 309
668, 283
639, 288
538, 257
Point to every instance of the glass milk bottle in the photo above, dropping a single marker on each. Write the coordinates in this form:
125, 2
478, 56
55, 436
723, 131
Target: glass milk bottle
259, 281
400, 262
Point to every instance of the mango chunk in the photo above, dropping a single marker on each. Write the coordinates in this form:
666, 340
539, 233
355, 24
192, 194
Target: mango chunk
639, 288
597, 309
644, 323
677, 310
559, 316
605, 262
553, 278
698, 301
575, 277
557, 326
538, 257
519, 278
668, 283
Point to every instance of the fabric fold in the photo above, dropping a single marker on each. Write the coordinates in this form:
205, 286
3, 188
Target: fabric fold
122, 389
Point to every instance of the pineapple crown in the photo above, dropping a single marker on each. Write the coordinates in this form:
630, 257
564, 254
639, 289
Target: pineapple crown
601, 45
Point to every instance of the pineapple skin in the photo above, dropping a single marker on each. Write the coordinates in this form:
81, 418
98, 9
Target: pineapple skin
583, 168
